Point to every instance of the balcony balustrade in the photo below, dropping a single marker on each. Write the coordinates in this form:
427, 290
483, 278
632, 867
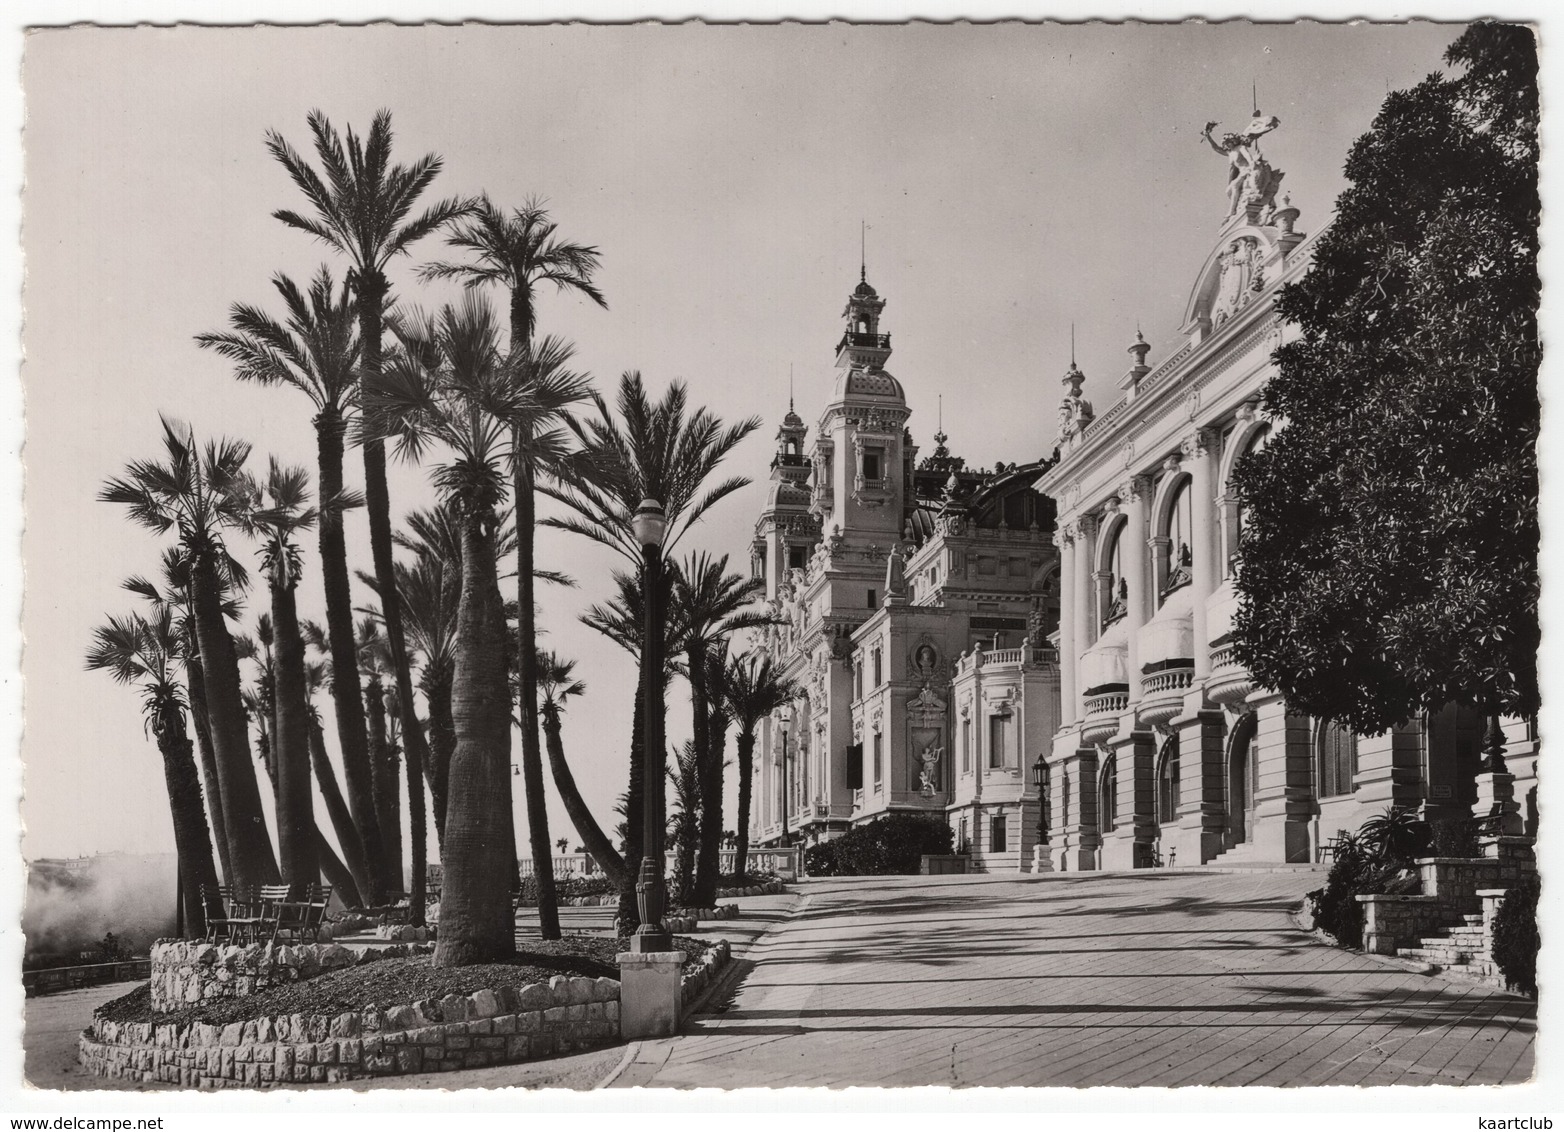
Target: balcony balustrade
1162, 694
865, 341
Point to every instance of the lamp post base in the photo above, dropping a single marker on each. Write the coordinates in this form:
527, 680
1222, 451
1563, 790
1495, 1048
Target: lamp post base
650, 993
649, 942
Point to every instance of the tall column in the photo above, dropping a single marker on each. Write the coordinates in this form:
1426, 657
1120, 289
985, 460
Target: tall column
1284, 783
1085, 605
1065, 538
1134, 553
1200, 452
1202, 747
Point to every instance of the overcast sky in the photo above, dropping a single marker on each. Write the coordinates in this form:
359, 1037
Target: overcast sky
1014, 179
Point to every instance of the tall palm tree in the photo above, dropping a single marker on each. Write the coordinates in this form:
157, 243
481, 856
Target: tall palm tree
521, 253
316, 351
684, 819
146, 652
174, 595
557, 685
655, 450
197, 492
362, 207
715, 604
455, 392
319, 676
755, 688
375, 667
281, 510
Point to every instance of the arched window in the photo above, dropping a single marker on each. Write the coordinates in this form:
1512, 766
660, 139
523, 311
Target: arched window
1337, 750
1256, 443
1167, 782
1179, 530
1115, 598
1108, 797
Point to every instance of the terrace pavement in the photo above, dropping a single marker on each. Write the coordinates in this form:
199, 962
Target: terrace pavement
1153, 978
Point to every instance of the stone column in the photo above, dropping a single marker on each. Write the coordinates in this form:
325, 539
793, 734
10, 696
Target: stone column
1134, 554
1200, 452
1085, 607
1390, 770
1076, 842
1284, 784
1202, 814
1135, 828
1065, 538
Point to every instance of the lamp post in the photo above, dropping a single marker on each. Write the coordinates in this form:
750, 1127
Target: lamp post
785, 717
649, 525
1040, 780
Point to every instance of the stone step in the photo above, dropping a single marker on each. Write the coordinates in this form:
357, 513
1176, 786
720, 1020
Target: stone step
1474, 918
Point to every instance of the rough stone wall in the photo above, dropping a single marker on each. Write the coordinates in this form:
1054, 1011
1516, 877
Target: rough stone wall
186, 972
488, 1027
1394, 921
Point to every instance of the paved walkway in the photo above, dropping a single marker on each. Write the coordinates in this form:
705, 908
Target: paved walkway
1150, 979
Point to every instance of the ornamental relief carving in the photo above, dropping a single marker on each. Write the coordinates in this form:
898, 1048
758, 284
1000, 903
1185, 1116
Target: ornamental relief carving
924, 662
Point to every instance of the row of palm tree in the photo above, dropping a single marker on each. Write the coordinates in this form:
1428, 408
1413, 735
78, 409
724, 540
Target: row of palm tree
498, 415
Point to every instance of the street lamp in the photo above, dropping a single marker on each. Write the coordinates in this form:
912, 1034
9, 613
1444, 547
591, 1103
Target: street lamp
1040, 780
785, 717
649, 525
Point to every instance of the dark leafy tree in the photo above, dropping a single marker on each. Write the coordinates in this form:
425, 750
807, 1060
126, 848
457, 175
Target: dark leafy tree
1389, 558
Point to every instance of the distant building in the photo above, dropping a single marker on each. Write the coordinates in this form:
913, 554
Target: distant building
914, 601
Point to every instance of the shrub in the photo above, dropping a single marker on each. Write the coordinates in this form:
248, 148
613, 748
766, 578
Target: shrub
1453, 837
1397, 836
820, 860
585, 886
891, 845
1515, 935
1359, 870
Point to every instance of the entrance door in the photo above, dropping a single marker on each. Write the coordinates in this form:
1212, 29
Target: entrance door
1240, 784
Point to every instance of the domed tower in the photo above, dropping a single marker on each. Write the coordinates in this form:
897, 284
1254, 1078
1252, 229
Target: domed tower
786, 533
860, 471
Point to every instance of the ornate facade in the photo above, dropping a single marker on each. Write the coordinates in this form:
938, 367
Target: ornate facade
913, 604
1167, 751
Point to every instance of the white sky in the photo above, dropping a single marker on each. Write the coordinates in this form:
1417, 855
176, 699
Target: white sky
1015, 178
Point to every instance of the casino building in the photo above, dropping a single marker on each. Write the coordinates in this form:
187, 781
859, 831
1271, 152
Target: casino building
1166, 750
914, 601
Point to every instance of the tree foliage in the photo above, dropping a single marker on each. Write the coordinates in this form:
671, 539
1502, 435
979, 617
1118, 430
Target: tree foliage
1389, 560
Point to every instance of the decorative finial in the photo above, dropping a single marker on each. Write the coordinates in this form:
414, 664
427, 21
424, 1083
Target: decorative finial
790, 387
863, 252
1254, 97
1072, 345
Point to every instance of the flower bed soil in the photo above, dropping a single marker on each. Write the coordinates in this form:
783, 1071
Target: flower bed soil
398, 981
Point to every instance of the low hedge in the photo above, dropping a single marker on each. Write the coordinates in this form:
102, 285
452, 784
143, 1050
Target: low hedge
1515, 936
1357, 871
891, 845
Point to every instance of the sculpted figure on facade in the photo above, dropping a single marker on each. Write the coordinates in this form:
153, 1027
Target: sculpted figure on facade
1250, 179
928, 759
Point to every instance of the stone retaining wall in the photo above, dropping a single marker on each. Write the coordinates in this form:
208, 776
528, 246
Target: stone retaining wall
489, 1027
770, 888
186, 972
694, 983
1391, 921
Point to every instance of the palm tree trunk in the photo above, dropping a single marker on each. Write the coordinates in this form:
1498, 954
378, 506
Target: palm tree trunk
527, 666
195, 690
291, 747
436, 687
192, 841
476, 922
746, 773
335, 872
711, 809
689, 829
592, 835
710, 777
383, 776
629, 916
372, 287
346, 697
337, 810
249, 845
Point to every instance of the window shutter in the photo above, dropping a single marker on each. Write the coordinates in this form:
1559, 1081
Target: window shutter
855, 766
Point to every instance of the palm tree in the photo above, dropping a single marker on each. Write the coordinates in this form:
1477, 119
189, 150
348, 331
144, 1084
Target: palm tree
756, 688
174, 595
715, 604
557, 684
146, 652
282, 510
521, 253
684, 819
375, 665
197, 493
658, 451
622, 620
363, 208
316, 351
454, 391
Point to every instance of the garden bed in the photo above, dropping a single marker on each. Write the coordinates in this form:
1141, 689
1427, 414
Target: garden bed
396, 981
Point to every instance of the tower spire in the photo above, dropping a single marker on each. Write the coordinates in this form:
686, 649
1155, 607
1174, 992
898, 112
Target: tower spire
863, 252
790, 387
1072, 345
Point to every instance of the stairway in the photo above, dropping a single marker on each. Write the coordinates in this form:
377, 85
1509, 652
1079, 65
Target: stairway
1459, 950
1247, 855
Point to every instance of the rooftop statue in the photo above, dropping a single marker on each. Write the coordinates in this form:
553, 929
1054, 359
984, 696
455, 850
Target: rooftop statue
1250, 178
